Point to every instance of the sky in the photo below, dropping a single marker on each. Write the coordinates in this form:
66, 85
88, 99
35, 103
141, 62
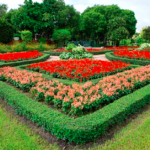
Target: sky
140, 7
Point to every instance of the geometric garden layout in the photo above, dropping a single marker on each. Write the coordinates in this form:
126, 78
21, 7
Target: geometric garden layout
75, 100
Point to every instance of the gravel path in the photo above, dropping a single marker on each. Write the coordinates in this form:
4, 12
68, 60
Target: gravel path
96, 57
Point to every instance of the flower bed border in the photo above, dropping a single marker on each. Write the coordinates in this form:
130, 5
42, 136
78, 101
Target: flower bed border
80, 130
23, 62
111, 56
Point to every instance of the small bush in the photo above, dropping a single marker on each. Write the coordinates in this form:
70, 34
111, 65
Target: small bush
70, 46
26, 36
78, 50
42, 40
17, 35
61, 36
6, 32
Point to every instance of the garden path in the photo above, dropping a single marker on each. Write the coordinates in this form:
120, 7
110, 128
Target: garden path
96, 57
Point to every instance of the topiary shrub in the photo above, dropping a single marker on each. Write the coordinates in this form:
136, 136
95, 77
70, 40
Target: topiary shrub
6, 31
61, 36
26, 36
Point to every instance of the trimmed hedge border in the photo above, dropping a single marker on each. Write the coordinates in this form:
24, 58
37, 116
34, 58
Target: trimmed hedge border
54, 53
79, 130
110, 56
30, 61
92, 52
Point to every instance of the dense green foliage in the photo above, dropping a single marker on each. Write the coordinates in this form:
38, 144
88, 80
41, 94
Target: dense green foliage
61, 36
43, 18
3, 9
26, 36
109, 15
75, 52
6, 31
79, 130
93, 24
117, 30
145, 33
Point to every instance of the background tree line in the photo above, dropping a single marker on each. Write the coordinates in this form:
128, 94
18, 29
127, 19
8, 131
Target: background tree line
99, 23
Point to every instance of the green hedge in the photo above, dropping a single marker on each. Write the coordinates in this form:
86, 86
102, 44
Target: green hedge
79, 130
111, 56
17, 63
94, 53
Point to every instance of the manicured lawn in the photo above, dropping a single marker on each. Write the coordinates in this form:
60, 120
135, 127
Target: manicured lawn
17, 136
135, 136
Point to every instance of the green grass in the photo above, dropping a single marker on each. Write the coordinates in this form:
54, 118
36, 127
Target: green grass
135, 136
17, 136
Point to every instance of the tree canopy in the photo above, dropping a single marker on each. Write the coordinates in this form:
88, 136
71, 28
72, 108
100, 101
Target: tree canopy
145, 33
110, 17
3, 9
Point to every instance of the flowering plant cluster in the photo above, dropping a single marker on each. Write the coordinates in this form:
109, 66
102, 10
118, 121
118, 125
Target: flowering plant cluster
77, 99
133, 54
16, 56
79, 70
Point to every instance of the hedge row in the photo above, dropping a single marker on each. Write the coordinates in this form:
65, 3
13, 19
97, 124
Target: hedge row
30, 61
92, 52
111, 56
54, 53
79, 130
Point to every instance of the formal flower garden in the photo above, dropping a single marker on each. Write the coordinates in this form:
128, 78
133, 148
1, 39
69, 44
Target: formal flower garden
95, 87
71, 80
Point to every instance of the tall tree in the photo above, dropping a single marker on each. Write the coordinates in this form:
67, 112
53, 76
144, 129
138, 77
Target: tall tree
3, 9
145, 33
93, 25
110, 12
68, 18
117, 30
131, 21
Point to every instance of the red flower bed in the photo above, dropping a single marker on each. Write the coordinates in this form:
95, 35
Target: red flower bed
133, 54
19, 56
79, 70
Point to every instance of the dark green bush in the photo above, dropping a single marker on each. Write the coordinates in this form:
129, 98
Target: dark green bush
42, 40
6, 31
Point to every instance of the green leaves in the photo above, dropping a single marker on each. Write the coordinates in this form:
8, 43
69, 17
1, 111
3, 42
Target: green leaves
61, 35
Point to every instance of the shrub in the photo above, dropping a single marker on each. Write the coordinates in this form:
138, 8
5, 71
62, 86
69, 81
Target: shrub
42, 40
6, 31
61, 36
26, 36
78, 50
70, 46
17, 35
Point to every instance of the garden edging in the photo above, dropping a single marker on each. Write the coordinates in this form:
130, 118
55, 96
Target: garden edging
110, 56
78, 130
